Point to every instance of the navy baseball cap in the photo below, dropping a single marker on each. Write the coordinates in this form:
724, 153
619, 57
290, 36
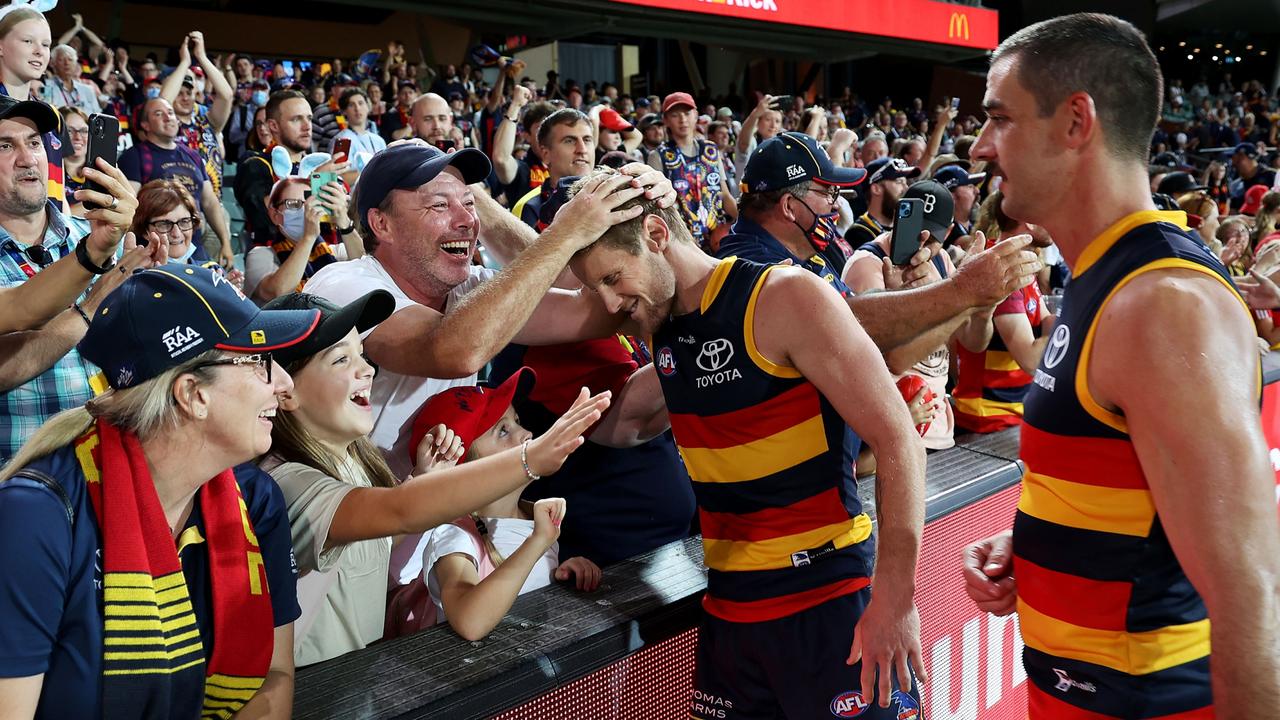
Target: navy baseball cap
791, 158
163, 317
1248, 149
336, 321
43, 115
887, 168
954, 176
939, 207
410, 166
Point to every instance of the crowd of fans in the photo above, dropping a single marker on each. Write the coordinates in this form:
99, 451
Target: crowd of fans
391, 276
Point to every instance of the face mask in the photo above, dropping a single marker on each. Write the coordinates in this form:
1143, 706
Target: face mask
822, 230
295, 223
191, 250
153, 92
259, 97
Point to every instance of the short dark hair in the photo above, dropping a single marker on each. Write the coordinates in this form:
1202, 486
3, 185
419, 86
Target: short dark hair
1101, 55
279, 98
563, 116
537, 112
755, 205
346, 97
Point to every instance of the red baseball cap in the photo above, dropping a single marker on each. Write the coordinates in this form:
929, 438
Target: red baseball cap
676, 99
610, 119
1253, 199
470, 410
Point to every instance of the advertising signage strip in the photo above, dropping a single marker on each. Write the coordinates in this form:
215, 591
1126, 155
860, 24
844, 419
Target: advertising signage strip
920, 20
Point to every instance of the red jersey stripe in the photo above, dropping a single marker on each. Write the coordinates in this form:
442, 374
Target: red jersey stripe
1086, 460
783, 605
739, 427
1073, 599
825, 508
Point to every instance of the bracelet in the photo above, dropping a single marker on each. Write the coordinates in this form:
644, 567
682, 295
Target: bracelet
76, 306
524, 460
346, 230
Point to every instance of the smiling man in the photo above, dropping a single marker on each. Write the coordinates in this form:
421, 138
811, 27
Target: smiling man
568, 143
419, 222
758, 401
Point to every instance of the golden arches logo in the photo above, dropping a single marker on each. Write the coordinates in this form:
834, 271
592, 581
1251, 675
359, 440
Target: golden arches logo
958, 26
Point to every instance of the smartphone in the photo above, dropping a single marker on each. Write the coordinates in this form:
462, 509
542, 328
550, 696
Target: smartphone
907, 226
781, 100
341, 150
319, 180
104, 137
955, 103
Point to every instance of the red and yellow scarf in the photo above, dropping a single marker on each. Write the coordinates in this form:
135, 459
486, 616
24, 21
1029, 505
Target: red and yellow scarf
154, 663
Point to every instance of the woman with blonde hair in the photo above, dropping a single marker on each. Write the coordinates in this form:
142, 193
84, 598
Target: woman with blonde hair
143, 576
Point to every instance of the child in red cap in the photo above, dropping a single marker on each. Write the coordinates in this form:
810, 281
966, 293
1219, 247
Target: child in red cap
476, 566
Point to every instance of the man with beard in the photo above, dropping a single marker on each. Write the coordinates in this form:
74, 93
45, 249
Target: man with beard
886, 183
160, 156
758, 403
432, 120
41, 374
1146, 533
288, 117
418, 217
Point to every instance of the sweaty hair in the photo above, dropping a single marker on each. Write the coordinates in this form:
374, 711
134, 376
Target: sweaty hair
278, 98
1101, 55
564, 116
629, 235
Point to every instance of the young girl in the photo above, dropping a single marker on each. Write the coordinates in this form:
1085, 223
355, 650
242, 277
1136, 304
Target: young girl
344, 504
476, 566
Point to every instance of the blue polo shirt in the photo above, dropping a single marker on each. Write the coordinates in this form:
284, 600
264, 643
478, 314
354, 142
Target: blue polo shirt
751, 242
51, 580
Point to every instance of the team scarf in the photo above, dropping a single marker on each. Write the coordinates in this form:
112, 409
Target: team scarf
153, 662
321, 255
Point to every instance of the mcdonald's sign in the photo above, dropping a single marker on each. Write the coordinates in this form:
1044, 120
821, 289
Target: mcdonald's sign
918, 20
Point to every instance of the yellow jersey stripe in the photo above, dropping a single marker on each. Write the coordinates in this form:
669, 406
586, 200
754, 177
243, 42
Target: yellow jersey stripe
1122, 511
716, 282
234, 681
749, 336
981, 407
1000, 360
758, 458
153, 654
1135, 653
742, 555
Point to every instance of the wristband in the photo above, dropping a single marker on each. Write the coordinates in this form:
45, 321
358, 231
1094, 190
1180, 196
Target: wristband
524, 460
346, 230
83, 314
82, 257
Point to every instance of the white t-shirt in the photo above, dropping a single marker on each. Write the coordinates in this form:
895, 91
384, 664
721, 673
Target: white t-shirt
261, 261
396, 398
508, 535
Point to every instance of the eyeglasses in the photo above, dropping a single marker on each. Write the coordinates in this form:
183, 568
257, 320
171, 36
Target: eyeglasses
292, 204
77, 131
261, 363
164, 227
832, 194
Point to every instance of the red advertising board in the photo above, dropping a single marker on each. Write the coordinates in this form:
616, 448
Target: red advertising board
974, 660
922, 20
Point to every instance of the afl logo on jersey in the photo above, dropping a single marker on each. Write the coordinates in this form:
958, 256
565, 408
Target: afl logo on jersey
715, 354
666, 362
1057, 348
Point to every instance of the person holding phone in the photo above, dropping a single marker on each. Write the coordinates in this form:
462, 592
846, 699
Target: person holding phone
300, 250
360, 137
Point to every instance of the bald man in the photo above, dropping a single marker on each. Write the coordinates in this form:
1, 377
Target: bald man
432, 120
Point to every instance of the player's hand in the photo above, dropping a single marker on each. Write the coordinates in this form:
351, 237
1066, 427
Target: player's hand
887, 641
988, 574
585, 573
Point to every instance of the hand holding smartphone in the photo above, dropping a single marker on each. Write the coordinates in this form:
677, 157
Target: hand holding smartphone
341, 150
104, 134
907, 226
319, 180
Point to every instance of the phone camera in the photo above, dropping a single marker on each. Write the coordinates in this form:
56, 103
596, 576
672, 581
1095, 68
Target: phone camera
904, 210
